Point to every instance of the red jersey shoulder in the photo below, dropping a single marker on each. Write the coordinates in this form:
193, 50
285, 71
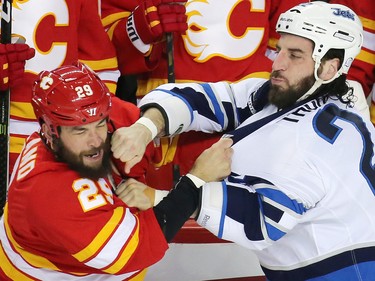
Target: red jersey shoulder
123, 113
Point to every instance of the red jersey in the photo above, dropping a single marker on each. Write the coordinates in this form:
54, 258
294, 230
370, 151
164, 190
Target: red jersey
61, 32
124, 114
59, 226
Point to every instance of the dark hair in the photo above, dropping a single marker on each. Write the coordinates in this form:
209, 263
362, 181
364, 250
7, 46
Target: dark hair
338, 87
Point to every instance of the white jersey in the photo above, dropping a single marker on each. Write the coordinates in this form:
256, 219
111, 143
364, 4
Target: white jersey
302, 189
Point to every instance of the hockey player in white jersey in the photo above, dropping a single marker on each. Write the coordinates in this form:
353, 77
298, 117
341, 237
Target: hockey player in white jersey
301, 194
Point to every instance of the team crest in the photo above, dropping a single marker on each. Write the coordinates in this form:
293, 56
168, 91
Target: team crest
46, 82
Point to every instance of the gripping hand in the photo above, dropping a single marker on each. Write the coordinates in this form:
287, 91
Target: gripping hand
153, 18
214, 164
136, 194
12, 63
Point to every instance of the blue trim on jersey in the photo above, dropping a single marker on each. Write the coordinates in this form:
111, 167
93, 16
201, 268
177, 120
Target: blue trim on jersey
217, 110
353, 265
272, 212
324, 127
363, 271
323, 131
244, 131
245, 208
231, 115
223, 209
246, 179
281, 198
197, 102
244, 200
273, 232
180, 97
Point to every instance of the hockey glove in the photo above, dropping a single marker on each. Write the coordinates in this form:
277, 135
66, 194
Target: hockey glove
12, 63
153, 18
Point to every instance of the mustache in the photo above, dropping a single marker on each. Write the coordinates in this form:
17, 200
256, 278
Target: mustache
95, 150
277, 74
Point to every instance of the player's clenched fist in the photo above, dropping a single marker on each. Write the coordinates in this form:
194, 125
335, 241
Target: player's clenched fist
214, 164
12, 63
153, 18
136, 194
129, 144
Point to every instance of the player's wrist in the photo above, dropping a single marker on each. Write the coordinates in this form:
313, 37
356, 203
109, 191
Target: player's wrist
198, 182
149, 125
159, 195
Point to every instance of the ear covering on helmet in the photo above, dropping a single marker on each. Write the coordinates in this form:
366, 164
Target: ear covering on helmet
329, 26
72, 95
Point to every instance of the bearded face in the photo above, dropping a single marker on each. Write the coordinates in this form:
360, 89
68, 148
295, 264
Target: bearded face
76, 161
283, 97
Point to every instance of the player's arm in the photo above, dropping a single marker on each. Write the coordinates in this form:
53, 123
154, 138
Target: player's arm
252, 218
182, 201
175, 108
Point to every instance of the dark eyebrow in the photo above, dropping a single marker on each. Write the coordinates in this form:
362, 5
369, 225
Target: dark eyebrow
298, 50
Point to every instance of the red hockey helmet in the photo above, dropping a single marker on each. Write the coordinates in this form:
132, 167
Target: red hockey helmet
70, 95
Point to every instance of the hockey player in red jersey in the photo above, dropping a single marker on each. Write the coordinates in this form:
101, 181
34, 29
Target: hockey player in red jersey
62, 220
61, 32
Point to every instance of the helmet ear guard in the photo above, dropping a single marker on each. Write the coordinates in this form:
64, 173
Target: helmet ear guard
329, 26
71, 95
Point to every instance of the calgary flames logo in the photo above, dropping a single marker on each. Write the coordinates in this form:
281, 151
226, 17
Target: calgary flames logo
16, 3
46, 82
210, 34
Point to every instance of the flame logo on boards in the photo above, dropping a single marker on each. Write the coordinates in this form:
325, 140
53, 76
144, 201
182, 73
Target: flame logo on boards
16, 3
209, 32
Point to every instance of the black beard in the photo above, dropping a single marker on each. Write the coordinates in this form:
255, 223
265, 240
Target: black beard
75, 162
285, 98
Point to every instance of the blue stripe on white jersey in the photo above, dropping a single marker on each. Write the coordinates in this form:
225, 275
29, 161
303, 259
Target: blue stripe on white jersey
279, 197
213, 107
184, 100
324, 126
217, 109
203, 101
280, 212
333, 268
224, 207
273, 212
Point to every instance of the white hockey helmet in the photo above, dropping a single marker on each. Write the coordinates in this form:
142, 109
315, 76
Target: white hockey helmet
329, 26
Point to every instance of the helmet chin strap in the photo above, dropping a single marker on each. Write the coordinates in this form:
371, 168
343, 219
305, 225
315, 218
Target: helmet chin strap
318, 82
313, 88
